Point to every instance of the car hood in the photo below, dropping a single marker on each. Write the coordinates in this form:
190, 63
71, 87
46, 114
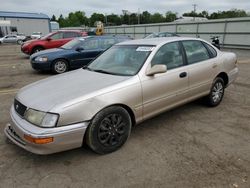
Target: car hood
66, 89
49, 52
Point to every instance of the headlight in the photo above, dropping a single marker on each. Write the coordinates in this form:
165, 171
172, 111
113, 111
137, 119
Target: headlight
41, 59
41, 119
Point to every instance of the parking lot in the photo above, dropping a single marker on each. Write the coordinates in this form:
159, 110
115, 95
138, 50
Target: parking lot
191, 146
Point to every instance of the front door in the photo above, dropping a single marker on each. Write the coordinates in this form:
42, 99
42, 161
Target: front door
165, 90
90, 50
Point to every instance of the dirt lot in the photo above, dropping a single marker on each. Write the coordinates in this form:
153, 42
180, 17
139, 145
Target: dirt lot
191, 146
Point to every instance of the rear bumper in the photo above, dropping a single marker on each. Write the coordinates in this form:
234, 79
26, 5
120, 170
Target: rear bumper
64, 138
232, 75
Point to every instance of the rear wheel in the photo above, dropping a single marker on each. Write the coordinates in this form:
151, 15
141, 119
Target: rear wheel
37, 49
109, 130
216, 93
60, 66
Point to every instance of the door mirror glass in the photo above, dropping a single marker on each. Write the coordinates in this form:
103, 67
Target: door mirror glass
156, 69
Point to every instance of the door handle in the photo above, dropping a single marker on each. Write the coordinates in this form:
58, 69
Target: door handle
183, 74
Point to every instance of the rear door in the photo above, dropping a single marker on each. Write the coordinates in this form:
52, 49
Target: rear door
165, 90
202, 67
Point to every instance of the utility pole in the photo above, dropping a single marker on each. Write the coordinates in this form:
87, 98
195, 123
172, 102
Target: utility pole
194, 5
106, 19
138, 16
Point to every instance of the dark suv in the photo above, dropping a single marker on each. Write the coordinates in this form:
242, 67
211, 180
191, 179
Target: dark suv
52, 40
74, 54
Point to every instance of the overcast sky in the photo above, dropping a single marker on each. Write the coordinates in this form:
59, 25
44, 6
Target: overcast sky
58, 7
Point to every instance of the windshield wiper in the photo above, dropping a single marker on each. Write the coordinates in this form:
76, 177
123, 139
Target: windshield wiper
87, 68
102, 71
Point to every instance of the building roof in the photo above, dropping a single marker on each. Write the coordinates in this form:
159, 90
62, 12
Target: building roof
23, 15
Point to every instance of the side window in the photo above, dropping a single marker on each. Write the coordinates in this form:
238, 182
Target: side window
106, 43
195, 51
57, 36
212, 51
169, 55
90, 44
70, 35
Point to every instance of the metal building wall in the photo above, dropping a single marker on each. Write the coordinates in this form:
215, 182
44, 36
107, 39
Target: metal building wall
27, 26
233, 32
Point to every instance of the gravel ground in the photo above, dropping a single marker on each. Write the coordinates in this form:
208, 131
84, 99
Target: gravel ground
191, 146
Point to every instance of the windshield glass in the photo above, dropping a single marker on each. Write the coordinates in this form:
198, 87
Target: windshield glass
72, 44
46, 36
153, 35
121, 60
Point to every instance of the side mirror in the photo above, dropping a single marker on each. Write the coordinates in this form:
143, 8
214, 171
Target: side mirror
49, 39
79, 49
156, 69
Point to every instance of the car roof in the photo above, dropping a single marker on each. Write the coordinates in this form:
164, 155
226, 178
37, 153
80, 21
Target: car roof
156, 41
104, 36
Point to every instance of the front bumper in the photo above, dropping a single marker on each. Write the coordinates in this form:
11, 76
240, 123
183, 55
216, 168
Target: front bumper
40, 65
64, 138
25, 50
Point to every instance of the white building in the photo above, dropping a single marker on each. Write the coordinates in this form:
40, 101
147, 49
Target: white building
22, 22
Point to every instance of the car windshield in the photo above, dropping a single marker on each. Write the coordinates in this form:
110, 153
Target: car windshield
125, 60
46, 36
72, 44
153, 35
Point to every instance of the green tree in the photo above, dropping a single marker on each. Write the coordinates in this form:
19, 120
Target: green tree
133, 18
53, 18
114, 19
96, 17
234, 13
170, 16
157, 18
62, 21
145, 17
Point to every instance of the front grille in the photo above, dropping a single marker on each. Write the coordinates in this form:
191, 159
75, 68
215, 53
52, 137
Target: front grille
19, 108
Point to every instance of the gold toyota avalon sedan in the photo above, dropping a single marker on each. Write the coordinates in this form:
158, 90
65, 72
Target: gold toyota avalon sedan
129, 83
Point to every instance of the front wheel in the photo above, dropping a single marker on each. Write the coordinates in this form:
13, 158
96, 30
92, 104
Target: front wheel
109, 130
60, 66
37, 49
216, 93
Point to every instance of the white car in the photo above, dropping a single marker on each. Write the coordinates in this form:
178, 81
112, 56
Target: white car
12, 39
130, 82
36, 35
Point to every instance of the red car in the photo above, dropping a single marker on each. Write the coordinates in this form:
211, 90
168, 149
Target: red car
52, 40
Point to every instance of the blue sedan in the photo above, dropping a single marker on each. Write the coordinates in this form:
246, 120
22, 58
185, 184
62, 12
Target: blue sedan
74, 54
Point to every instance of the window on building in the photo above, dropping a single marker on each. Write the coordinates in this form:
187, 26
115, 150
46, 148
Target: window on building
13, 29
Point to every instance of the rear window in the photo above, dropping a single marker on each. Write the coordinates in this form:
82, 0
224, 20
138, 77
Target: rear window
71, 35
212, 51
106, 43
195, 51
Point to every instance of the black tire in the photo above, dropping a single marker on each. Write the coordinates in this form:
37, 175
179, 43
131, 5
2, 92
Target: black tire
216, 92
60, 66
19, 42
109, 130
37, 49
